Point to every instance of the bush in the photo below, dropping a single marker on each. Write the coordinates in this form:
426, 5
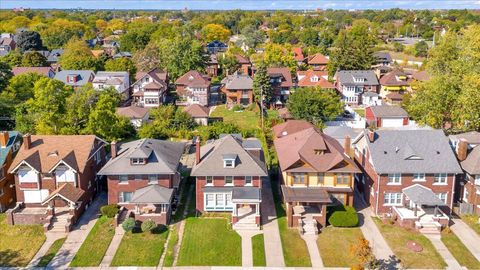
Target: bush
344, 218
128, 224
148, 225
237, 108
109, 210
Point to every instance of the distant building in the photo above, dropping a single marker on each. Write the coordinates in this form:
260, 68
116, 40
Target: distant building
352, 84
44, 71
216, 46
137, 115
150, 88
118, 80
75, 78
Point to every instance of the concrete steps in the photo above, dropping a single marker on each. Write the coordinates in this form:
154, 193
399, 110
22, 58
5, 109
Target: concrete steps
428, 227
59, 223
309, 226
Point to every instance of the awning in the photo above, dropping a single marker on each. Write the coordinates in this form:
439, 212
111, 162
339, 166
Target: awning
303, 194
67, 192
246, 194
421, 195
153, 194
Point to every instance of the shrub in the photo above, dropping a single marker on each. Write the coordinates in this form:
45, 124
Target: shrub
237, 108
128, 224
344, 218
109, 210
148, 225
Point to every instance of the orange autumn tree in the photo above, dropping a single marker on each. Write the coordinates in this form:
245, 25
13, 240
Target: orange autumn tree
363, 255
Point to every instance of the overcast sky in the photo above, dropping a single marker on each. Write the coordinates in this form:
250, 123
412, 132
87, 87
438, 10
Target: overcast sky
241, 4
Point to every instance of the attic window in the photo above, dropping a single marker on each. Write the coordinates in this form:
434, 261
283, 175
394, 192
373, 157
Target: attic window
190, 78
359, 79
319, 152
53, 154
137, 161
229, 160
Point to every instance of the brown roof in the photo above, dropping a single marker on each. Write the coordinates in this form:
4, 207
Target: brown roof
421, 75
39, 70
242, 60
311, 194
321, 153
156, 73
153, 85
46, 151
132, 112
322, 82
284, 72
97, 53
67, 191
472, 163
284, 113
197, 111
317, 59
298, 54
391, 78
290, 127
394, 96
193, 78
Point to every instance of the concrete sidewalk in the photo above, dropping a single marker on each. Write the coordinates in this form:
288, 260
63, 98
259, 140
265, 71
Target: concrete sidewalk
443, 251
315, 258
112, 248
468, 236
247, 248
51, 238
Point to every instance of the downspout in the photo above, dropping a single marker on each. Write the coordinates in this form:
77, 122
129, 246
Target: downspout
377, 194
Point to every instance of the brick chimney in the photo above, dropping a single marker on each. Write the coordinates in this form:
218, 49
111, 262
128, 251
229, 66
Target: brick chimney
4, 138
347, 145
462, 148
371, 135
197, 150
113, 149
27, 141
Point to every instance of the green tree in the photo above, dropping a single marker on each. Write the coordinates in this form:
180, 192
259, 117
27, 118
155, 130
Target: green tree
211, 32
12, 58
421, 49
276, 55
21, 87
229, 63
29, 40
166, 121
79, 105
315, 105
466, 114
78, 56
261, 85
5, 75
34, 59
122, 64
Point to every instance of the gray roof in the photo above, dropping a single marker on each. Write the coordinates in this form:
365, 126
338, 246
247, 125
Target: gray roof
54, 55
472, 137
370, 94
83, 76
240, 194
238, 82
339, 133
251, 144
382, 57
346, 77
388, 111
472, 163
421, 195
152, 194
163, 157
211, 163
412, 151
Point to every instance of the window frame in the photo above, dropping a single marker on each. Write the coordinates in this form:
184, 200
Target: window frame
209, 179
150, 181
302, 178
415, 179
392, 196
343, 177
225, 180
440, 179
397, 179
120, 181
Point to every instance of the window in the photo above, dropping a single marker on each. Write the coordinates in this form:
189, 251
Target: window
219, 199
418, 177
152, 179
321, 178
440, 179
394, 179
248, 180
2, 174
1, 192
228, 199
392, 199
123, 179
98, 156
210, 199
26, 175
124, 197
228, 180
342, 179
229, 163
477, 179
209, 180
298, 178
442, 196
465, 195
137, 161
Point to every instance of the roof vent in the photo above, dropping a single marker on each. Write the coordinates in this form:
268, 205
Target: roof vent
438, 152
190, 78
53, 154
396, 149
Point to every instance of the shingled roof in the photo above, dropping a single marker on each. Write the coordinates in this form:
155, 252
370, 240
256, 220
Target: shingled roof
238, 81
197, 111
193, 78
290, 127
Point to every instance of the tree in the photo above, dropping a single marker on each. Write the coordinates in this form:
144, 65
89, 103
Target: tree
77, 56
5, 75
211, 32
421, 49
79, 105
229, 63
12, 58
262, 86
122, 64
29, 40
166, 121
315, 105
60, 31
34, 59
147, 58
466, 114
398, 47
21, 87
363, 254
279, 56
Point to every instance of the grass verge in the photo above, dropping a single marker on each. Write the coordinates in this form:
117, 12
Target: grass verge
51, 252
472, 221
334, 245
459, 251
258, 249
170, 255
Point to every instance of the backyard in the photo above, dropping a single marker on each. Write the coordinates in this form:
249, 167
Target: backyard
334, 245
19, 243
397, 239
459, 251
245, 120
258, 249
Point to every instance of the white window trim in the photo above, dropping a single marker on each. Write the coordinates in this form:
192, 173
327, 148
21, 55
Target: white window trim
251, 181
440, 184
393, 204
206, 181
424, 179
120, 182
394, 184
225, 181
229, 160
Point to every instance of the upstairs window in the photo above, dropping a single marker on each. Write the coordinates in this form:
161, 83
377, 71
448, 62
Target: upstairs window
209, 180
440, 178
314, 79
152, 179
229, 160
342, 179
123, 179
477, 179
394, 179
298, 178
418, 177
248, 180
228, 180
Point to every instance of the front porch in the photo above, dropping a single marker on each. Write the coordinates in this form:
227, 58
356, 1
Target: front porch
246, 207
152, 202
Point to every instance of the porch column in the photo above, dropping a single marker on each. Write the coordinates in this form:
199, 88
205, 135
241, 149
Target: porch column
289, 214
415, 210
257, 208
435, 211
235, 210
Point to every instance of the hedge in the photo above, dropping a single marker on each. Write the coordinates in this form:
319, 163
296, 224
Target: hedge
109, 210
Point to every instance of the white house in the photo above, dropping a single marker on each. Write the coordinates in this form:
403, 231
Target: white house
150, 88
119, 80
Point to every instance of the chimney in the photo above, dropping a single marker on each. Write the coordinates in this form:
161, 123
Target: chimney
27, 141
346, 145
371, 135
113, 149
462, 148
4, 138
197, 150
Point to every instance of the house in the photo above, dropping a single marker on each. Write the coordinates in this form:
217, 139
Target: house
409, 176
395, 81
298, 55
44, 71
193, 87
137, 115
10, 142
54, 56
118, 80
245, 65
238, 89
7, 43
55, 179
315, 171
290, 127
143, 176
281, 81
386, 116
150, 88
318, 61
75, 78
352, 84
382, 59
216, 46
200, 114
314, 78
212, 65
122, 55
228, 174
371, 99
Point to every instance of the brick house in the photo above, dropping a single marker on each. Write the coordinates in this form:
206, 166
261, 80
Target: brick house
314, 78
281, 81
228, 174
55, 179
409, 175
318, 61
352, 84
10, 142
143, 176
315, 171
238, 89
193, 87
386, 116
150, 88
212, 65
245, 64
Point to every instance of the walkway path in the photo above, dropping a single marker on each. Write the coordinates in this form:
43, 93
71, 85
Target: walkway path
75, 238
112, 248
181, 228
51, 237
468, 236
247, 250
313, 251
271, 233
442, 249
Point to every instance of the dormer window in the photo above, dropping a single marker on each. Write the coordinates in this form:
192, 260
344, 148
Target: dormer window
319, 152
314, 79
138, 161
72, 78
229, 160
358, 79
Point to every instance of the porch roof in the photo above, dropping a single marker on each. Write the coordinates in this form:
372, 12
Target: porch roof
421, 195
154, 194
312, 195
246, 194
67, 192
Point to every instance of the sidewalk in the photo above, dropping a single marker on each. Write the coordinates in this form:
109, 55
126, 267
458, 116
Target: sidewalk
315, 258
51, 237
443, 251
76, 237
112, 248
468, 236
271, 233
247, 248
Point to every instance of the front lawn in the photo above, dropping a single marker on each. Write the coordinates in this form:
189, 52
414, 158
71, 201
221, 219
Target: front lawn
141, 248
209, 241
472, 221
246, 119
19, 243
96, 244
258, 250
334, 245
51, 252
397, 238
459, 251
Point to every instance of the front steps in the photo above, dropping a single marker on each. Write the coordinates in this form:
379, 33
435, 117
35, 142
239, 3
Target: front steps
428, 227
59, 223
246, 223
308, 226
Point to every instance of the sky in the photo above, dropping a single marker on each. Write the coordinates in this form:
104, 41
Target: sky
241, 4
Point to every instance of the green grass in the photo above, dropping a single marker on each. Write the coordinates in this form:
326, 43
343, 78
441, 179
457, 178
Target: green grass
19, 243
334, 245
169, 255
360, 111
258, 249
209, 241
141, 249
51, 252
472, 221
459, 251
245, 120
96, 244
397, 238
